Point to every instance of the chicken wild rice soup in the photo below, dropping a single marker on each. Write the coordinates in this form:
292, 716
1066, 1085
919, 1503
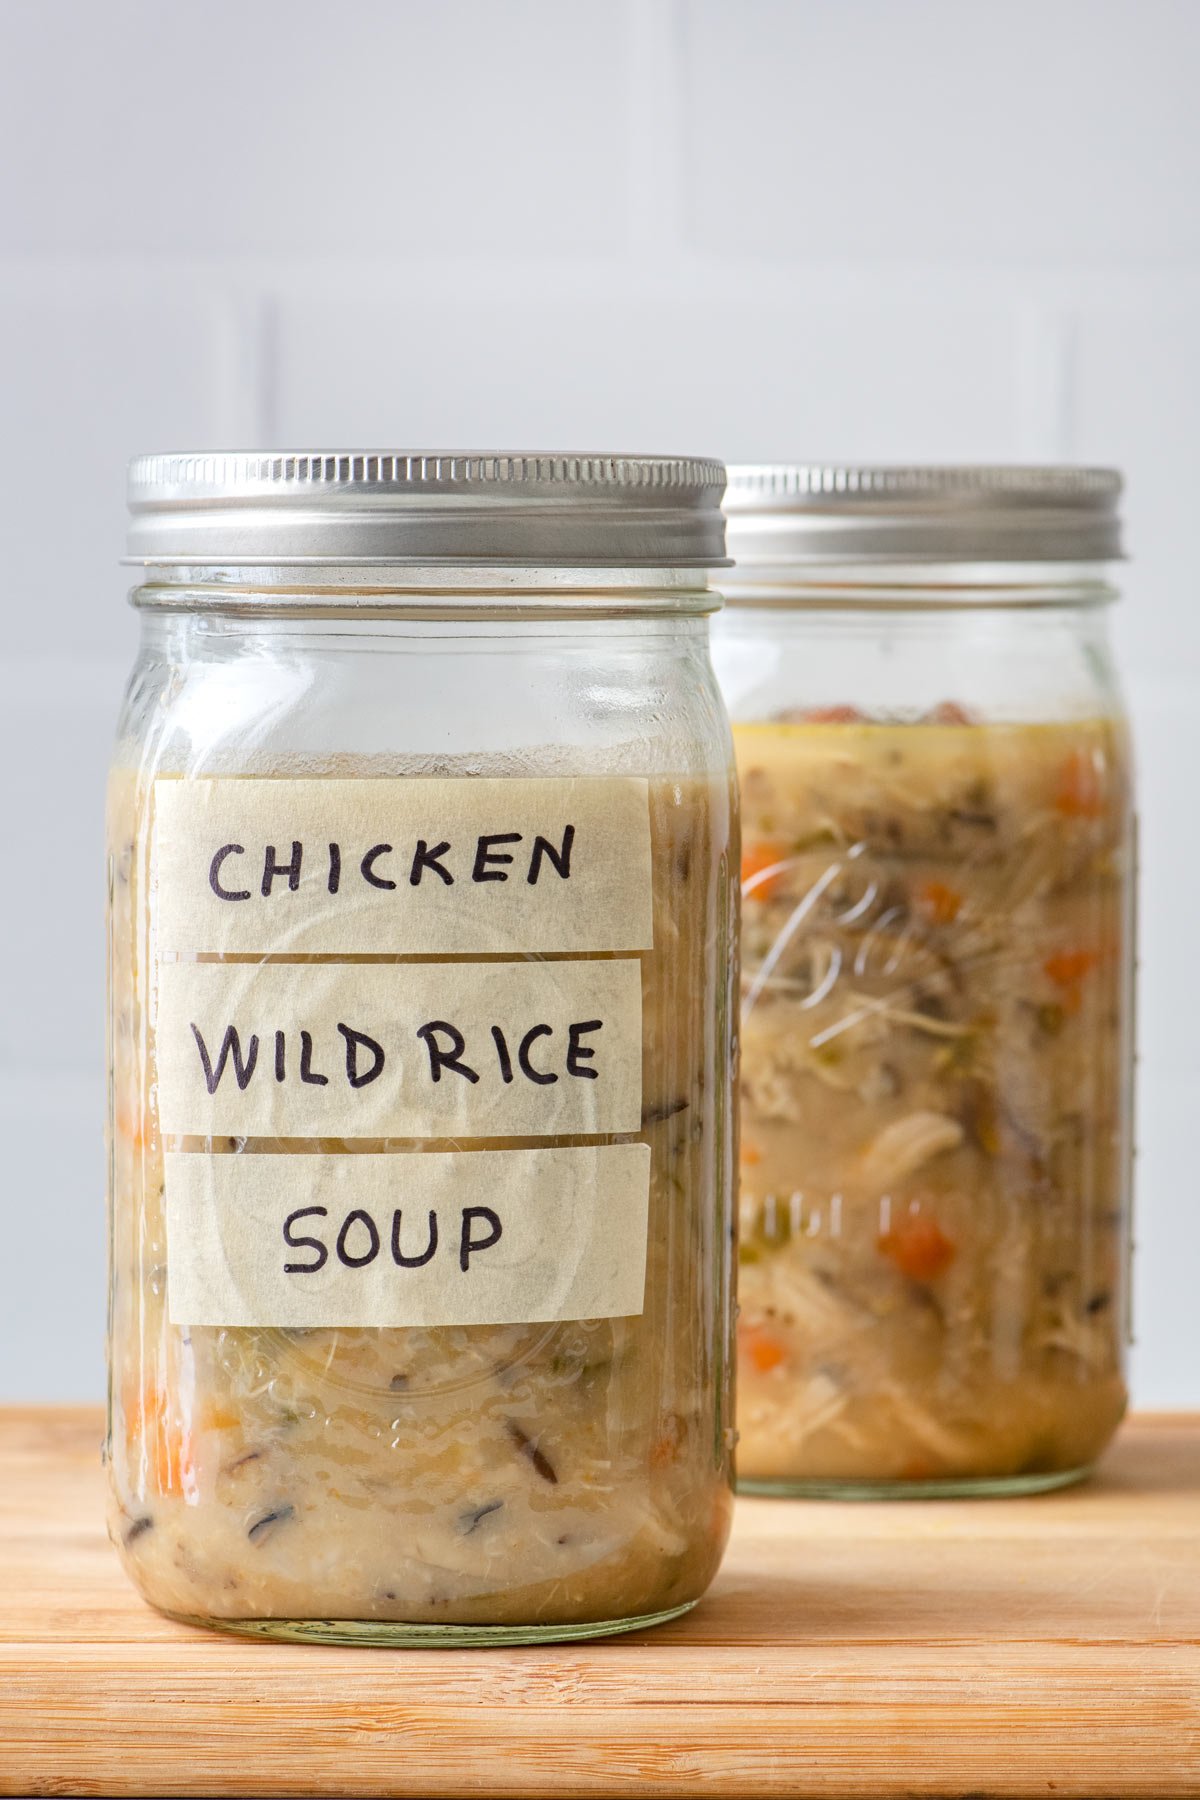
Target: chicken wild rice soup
937, 978
933, 1159
421, 1133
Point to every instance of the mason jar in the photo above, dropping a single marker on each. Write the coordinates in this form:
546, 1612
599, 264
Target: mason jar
423, 892
937, 968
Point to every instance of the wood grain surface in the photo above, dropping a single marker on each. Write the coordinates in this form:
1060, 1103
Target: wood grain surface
1048, 1646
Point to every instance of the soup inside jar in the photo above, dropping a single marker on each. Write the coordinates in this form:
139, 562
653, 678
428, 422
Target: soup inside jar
557, 1473
935, 1099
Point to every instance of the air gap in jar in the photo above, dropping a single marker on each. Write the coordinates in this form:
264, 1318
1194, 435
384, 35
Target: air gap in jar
937, 885
423, 877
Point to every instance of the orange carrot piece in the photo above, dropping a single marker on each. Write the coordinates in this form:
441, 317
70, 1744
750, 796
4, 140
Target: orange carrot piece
939, 902
1067, 968
665, 1448
167, 1442
758, 883
949, 712
832, 715
130, 1129
1080, 791
764, 1351
919, 1247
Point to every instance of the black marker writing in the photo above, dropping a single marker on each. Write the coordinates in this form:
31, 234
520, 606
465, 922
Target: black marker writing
425, 858
214, 874
486, 862
368, 866
577, 1052
527, 1068
468, 1244
307, 1073
305, 1243
231, 1050
358, 1216
273, 868
480, 1228
560, 858
353, 1040
413, 1262
486, 857
440, 1059
505, 1060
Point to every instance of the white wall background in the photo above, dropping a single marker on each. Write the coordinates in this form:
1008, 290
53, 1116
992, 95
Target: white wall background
891, 229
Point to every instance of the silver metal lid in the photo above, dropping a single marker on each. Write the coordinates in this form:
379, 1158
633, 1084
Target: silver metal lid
783, 514
365, 507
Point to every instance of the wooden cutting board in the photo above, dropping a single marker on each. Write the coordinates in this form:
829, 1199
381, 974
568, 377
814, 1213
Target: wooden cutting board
968, 1648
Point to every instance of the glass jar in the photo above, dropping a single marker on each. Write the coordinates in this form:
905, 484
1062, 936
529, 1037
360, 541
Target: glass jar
936, 1052
423, 899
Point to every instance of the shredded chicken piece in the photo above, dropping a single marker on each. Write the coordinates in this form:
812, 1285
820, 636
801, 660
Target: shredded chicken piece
907, 1145
924, 1426
1087, 1341
817, 1403
825, 1314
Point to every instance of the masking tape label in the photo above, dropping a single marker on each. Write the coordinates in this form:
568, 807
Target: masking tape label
401, 865
409, 1050
424, 1238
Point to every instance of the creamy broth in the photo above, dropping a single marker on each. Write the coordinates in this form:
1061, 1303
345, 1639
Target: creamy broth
935, 1097
547, 1473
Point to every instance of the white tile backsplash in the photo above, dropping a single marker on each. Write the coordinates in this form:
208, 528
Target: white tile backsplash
92, 373
730, 375
1040, 130
916, 232
267, 127
1135, 381
1163, 1365
57, 724
53, 1287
